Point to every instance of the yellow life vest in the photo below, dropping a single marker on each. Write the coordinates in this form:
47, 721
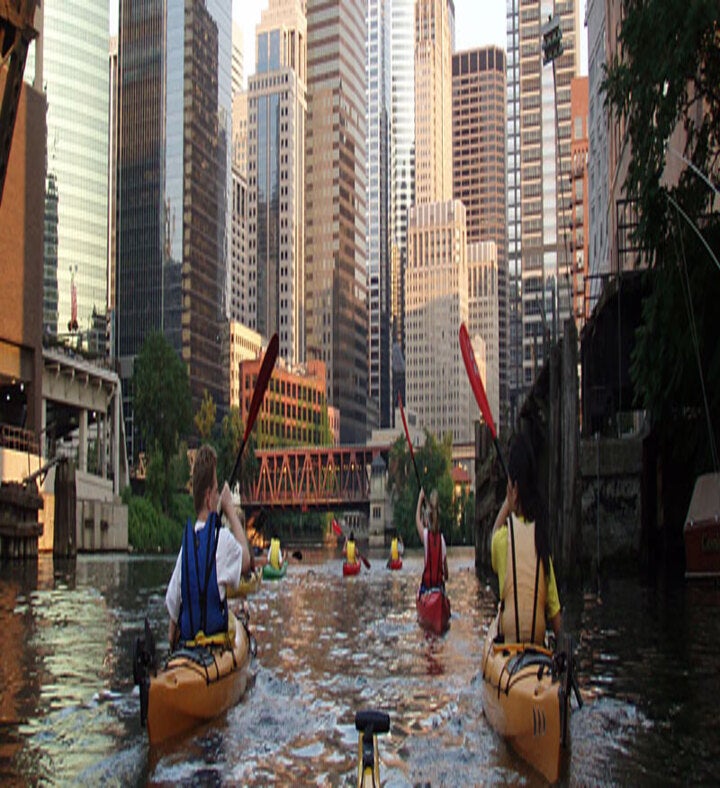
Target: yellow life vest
274, 557
219, 639
350, 555
526, 566
394, 555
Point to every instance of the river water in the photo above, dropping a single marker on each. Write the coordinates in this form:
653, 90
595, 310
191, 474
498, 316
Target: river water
649, 673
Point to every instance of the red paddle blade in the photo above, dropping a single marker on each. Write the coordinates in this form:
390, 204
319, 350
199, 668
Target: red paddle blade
475, 379
266, 370
336, 528
365, 561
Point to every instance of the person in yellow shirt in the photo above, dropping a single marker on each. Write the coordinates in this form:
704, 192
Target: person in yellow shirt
349, 550
521, 559
275, 555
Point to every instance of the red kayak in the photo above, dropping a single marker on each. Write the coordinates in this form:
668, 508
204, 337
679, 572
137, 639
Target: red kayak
396, 564
433, 610
351, 569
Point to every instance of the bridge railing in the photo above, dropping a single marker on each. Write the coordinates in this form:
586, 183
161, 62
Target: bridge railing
312, 477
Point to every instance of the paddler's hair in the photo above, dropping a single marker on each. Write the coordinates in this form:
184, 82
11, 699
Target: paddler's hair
204, 469
433, 513
523, 472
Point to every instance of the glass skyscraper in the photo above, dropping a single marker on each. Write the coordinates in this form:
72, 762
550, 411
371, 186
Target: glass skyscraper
378, 192
174, 185
402, 149
76, 83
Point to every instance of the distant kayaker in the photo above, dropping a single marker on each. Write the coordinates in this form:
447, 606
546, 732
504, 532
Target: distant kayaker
349, 550
190, 584
274, 554
435, 573
396, 549
521, 530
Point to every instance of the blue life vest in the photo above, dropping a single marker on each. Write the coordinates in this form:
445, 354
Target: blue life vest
201, 609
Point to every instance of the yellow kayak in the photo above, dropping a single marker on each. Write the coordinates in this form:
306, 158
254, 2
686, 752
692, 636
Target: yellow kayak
195, 685
249, 584
526, 699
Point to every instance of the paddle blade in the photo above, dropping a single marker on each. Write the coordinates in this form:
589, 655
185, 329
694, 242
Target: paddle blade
266, 369
337, 530
297, 554
475, 380
407, 435
364, 560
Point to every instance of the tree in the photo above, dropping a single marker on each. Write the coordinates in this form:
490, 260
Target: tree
664, 79
205, 416
162, 404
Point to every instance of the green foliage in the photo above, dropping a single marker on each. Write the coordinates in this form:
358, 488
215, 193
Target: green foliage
149, 531
667, 79
205, 416
434, 462
227, 442
161, 403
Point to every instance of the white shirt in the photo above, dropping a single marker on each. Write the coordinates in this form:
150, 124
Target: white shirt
228, 564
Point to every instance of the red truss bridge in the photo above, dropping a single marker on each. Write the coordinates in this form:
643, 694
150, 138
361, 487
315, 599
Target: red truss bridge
306, 478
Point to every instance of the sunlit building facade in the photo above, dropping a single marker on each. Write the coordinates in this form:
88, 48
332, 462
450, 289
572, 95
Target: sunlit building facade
437, 303
294, 411
276, 178
479, 134
336, 209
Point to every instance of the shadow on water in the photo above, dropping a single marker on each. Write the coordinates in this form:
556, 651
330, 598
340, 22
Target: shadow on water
327, 647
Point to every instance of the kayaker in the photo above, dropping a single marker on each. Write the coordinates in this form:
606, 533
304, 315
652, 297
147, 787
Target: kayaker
435, 573
349, 550
274, 554
195, 598
396, 549
521, 530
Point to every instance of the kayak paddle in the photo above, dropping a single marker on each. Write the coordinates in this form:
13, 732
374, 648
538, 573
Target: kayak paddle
407, 435
478, 389
266, 369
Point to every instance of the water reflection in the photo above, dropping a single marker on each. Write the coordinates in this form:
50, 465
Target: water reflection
328, 646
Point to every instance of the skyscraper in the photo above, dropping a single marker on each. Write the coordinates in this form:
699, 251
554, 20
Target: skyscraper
434, 20
276, 178
479, 180
336, 213
437, 302
174, 186
436, 279
76, 205
539, 185
402, 153
378, 148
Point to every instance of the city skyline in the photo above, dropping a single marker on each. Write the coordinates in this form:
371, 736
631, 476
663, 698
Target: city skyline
476, 25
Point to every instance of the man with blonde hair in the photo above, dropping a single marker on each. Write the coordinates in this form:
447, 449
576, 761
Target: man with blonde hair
211, 559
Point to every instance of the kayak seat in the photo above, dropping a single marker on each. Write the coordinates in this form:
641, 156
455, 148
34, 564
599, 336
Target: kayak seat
528, 658
200, 655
